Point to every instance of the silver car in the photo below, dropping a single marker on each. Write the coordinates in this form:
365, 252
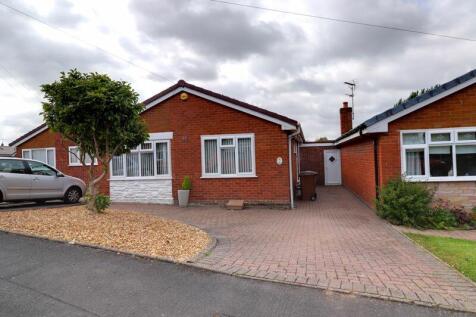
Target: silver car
30, 180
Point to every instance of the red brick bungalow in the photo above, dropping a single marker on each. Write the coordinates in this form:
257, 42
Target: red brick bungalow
430, 139
230, 149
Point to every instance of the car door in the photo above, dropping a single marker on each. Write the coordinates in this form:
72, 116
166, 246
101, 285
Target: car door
15, 181
45, 181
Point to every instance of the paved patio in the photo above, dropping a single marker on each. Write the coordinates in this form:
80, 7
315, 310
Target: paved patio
335, 243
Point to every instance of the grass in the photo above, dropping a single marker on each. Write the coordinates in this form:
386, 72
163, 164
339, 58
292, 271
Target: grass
459, 253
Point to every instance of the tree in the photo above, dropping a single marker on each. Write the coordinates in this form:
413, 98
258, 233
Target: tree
415, 94
322, 139
100, 115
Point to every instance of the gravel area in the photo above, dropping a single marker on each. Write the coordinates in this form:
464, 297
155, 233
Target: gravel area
127, 231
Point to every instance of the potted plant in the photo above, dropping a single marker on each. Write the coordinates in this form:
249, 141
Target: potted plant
184, 193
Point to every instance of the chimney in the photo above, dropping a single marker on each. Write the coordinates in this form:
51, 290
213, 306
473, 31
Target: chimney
345, 118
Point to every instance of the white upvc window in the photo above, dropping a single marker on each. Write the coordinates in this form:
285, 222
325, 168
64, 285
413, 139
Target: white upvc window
74, 154
439, 154
45, 155
228, 155
151, 159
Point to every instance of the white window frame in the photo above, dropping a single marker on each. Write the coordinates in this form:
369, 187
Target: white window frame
235, 137
77, 163
155, 176
41, 148
426, 147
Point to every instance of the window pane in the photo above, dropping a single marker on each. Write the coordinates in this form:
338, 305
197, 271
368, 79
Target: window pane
162, 158
228, 163
415, 161
146, 146
441, 161
50, 157
440, 137
74, 155
227, 141
244, 156
466, 160
147, 164
414, 138
12, 166
118, 165
132, 164
211, 156
39, 155
26, 154
41, 169
467, 136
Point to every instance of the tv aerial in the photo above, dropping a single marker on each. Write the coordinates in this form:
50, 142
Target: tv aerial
352, 85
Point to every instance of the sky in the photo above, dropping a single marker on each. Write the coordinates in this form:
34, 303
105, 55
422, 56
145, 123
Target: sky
293, 65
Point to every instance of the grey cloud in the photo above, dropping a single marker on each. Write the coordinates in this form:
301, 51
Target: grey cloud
63, 14
214, 31
34, 59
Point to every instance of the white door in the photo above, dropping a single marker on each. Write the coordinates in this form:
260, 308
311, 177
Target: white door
332, 173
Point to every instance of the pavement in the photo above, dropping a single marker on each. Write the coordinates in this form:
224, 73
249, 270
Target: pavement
44, 278
335, 243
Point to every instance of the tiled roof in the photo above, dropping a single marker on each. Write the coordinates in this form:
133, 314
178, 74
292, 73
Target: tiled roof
412, 102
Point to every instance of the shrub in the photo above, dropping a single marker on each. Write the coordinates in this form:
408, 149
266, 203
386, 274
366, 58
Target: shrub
404, 203
440, 218
462, 216
187, 183
102, 202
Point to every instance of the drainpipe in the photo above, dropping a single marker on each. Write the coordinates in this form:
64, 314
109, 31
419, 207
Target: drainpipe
290, 164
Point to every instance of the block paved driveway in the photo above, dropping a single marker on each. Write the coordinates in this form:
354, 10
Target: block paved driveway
335, 243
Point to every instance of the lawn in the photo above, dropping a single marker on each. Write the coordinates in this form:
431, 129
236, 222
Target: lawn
128, 231
460, 254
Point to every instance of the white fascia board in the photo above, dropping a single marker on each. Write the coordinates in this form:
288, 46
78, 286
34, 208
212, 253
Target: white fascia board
348, 138
382, 126
284, 125
316, 144
161, 136
30, 136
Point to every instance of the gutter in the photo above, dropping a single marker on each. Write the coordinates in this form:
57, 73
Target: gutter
290, 164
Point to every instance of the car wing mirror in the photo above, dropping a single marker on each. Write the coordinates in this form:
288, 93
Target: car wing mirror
59, 174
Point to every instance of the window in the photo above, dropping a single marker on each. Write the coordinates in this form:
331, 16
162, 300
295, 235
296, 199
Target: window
12, 166
150, 159
41, 169
228, 155
439, 155
45, 155
75, 154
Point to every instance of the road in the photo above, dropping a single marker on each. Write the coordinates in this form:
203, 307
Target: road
43, 278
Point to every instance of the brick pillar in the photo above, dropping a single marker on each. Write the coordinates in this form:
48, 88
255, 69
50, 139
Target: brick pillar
345, 118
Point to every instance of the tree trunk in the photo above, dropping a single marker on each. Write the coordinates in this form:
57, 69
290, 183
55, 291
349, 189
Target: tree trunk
92, 190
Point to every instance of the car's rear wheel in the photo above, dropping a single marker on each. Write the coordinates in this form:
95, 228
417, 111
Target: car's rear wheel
72, 195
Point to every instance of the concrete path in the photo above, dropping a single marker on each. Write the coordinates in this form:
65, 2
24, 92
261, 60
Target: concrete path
335, 243
44, 278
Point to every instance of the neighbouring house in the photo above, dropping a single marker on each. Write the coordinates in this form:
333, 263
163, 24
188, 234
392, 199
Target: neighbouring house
429, 139
230, 149
7, 151
233, 150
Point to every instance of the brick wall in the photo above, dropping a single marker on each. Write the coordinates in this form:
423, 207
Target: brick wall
312, 159
456, 110
190, 119
50, 139
358, 169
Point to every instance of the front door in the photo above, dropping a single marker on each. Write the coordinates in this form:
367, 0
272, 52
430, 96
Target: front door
332, 172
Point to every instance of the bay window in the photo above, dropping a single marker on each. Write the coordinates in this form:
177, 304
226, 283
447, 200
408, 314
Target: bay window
230, 155
151, 159
439, 154
45, 155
